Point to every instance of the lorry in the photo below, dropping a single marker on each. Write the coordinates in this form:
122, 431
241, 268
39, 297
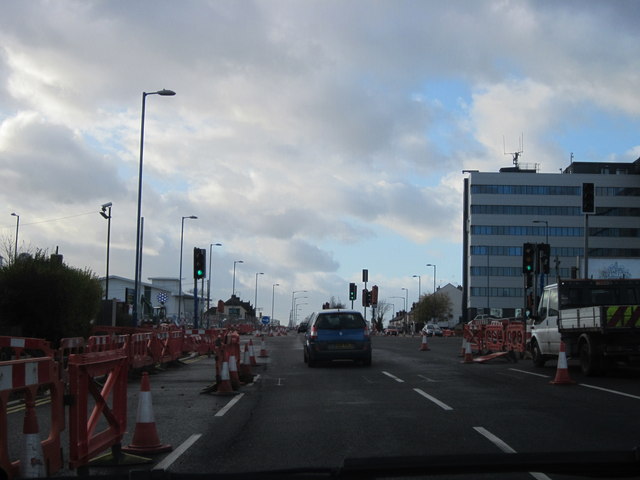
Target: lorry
597, 320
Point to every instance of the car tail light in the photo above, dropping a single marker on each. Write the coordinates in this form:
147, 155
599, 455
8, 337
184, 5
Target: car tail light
366, 331
314, 332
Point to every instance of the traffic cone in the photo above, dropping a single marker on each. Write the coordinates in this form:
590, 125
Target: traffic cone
424, 346
32, 463
244, 370
263, 349
234, 376
252, 354
562, 372
145, 436
224, 386
468, 356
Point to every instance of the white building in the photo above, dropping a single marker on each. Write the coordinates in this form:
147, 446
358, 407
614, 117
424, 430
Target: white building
518, 205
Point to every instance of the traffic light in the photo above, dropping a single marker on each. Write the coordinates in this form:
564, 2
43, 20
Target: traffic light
366, 298
528, 257
588, 198
544, 254
199, 262
353, 291
374, 295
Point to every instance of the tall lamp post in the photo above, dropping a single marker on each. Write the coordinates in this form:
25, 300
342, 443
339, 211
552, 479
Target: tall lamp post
419, 286
211, 245
273, 297
191, 217
406, 307
233, 291
107, 216
15, 252
255, 298
164, 93
293, 296
434, 276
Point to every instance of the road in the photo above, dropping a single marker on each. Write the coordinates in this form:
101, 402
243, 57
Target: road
409, 402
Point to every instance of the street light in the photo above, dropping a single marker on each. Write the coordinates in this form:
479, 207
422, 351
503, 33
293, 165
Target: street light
273, 297
107, 216
15, 253
406, 307
164, 93
233, 291
293, 294
434, 276
255, 300
419, 286
211, 245
299, 305
192, 217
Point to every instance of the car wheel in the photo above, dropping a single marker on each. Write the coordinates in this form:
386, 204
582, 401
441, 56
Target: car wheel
311, 362
367, 361
536, 354
304, 351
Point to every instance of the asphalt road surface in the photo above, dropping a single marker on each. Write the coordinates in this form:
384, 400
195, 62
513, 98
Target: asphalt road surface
409, 402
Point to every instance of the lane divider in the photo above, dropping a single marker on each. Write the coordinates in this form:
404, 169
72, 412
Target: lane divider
399, 380
173, 456
442, 405
229, 405
502, 445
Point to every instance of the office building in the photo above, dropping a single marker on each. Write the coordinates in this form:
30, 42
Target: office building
517, 205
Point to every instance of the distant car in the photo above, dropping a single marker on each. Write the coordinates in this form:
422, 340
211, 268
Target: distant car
391, 331
432, 330
337, 335
302, 327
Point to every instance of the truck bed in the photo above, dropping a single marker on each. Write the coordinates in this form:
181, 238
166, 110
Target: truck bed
601, 319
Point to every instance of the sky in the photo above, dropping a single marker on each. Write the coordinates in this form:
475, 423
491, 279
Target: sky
312, 139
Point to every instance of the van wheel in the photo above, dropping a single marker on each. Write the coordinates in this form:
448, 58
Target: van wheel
536, 355
591, 361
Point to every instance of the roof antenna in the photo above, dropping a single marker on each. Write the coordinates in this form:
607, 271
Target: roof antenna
515, 155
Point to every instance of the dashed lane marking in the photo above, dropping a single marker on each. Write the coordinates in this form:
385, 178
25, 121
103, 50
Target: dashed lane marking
173, 456
530, 373
229, 405
442, 405
399, 380
616, 392
501, 444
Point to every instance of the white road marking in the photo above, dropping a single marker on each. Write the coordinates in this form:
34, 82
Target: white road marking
530, 373
173, 456
228, 406
427, 378
610, 391
506, 449
442, 405
399, 380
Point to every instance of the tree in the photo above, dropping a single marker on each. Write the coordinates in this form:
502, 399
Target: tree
333, 303
436, 306
380, 311
41, 297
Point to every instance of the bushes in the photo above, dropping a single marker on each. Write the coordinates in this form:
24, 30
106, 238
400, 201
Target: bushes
43, 298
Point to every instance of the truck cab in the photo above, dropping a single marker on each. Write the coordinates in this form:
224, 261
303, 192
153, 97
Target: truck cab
545, 337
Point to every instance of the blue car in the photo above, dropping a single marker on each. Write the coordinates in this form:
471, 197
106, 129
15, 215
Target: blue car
337, 335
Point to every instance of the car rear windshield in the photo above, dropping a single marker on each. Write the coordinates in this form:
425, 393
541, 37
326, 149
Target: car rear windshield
339, 321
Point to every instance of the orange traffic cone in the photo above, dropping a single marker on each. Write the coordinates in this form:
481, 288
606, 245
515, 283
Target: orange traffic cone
145, 436
252, 354
32, 463
562, 372
263, 349
424, 346
234, 376
224, 386
468, 356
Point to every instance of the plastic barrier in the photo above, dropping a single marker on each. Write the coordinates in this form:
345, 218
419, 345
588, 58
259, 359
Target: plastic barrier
84, 442
139, 350
27, 377
515, 337
99, 343
494, 337
20, 347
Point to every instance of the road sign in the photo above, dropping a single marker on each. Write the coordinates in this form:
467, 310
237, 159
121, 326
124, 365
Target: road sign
266, 320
